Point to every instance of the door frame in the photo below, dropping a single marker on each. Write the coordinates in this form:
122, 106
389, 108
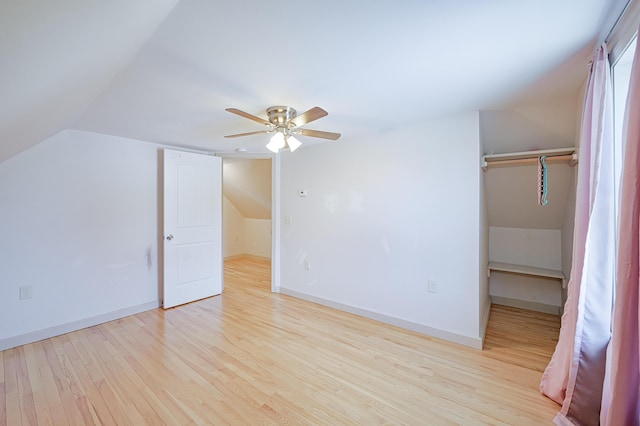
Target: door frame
276, 216
276, 223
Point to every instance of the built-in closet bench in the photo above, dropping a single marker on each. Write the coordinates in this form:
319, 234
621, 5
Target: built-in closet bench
528, 270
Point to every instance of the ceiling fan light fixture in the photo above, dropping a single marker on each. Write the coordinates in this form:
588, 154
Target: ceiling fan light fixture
276, 143
285, 122
293, 143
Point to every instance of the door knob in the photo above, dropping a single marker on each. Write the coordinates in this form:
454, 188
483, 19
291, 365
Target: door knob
169, 237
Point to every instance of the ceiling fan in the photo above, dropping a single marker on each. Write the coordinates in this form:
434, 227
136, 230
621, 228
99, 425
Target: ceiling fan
285, 122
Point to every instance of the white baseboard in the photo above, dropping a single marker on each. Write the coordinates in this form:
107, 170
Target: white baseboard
473, 342
246, 256
525, 304
34, 336
234, 256
255, 256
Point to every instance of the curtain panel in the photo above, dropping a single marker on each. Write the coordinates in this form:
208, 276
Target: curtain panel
575, 375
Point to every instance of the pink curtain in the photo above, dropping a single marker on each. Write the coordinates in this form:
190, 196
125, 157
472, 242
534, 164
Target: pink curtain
575, 375
621, 402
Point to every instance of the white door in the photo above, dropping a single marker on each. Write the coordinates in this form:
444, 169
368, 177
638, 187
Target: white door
192, 227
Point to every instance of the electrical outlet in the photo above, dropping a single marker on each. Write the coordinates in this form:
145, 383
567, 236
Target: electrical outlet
432, 286
26, 292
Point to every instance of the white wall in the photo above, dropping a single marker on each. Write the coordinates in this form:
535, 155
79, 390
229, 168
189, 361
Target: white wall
384, 214
247, 184
483, 280
247, 207
531, 247
79, 225
242, 235
545, 125
233, 233
521, 246
257, 237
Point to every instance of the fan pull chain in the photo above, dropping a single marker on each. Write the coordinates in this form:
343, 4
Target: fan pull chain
542, 181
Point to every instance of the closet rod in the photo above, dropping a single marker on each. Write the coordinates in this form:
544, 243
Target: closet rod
571, 159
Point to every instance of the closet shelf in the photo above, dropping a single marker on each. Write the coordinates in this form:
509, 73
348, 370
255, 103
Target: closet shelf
527, 270
568, 155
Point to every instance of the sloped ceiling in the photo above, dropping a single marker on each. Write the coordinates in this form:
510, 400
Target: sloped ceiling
164, 71
56, 57
247, 185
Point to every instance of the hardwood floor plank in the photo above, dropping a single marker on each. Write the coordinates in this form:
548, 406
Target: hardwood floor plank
3, 393
90, 383
12, 394
76, 409
253, 357
25, 393
77, 385
46, 394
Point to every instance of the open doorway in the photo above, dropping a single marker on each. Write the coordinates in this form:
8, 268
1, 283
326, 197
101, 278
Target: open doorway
247, 216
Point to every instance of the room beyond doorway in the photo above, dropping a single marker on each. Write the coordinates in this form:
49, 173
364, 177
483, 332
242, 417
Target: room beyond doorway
247, 208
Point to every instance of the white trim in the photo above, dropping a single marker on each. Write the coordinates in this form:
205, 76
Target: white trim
34, 336
570, 155
527, 270
246, 256
485, 322
623, 31
525, 304
474, 342
234, 256
276, 224
489, 158
245, 155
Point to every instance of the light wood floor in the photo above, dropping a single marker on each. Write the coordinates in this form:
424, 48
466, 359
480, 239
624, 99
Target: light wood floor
253, 357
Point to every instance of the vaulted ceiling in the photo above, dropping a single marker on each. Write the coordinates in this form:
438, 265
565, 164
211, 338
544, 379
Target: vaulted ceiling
165, 70
247, 185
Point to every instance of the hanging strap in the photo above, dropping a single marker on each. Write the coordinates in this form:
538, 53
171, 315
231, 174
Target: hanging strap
542, 181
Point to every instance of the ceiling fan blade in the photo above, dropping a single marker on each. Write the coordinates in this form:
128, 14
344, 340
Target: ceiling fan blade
307, 117
318, 134
247, 115
248, 134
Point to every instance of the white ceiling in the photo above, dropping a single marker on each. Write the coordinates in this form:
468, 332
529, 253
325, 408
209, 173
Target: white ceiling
56, 57
165, 70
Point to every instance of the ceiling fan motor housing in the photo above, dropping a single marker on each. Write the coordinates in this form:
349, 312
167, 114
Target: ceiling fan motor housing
280, 115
